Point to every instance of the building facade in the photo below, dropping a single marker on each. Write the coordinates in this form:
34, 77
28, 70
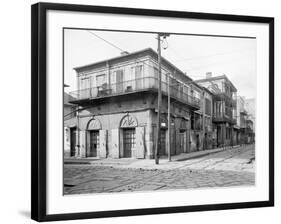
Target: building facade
224, 108
250, 106
70, 126
113, 112
241, 120
117, 108
250, 134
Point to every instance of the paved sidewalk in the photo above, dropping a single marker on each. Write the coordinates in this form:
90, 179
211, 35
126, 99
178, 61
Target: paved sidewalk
145, 163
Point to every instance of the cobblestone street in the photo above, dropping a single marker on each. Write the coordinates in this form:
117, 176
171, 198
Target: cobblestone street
231, 167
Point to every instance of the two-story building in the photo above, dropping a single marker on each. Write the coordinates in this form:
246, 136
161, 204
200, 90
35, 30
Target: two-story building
117, 101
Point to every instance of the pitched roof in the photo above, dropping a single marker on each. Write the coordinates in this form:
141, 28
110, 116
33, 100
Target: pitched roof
67, 98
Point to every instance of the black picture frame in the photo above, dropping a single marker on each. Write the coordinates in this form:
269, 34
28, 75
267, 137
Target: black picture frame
39, 108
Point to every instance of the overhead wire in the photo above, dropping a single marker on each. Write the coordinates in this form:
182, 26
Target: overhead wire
113, 45
183, 59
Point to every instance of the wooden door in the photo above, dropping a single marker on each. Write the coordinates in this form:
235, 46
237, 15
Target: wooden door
182, 141
94, 143
162, 150
72, 141
129, 141
197, 142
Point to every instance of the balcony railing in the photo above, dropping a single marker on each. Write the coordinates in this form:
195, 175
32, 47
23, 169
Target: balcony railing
223, 96
135, 85
222, 117
243, 111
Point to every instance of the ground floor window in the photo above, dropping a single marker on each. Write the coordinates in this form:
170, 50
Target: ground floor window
129, 141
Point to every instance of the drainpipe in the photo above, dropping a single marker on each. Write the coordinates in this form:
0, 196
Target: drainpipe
203, 117
78, 133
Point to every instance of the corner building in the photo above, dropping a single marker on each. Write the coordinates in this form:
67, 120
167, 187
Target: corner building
117, 107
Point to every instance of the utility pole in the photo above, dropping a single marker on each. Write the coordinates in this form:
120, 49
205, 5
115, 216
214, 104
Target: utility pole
78, 153
203, 117
169, 120
158, 139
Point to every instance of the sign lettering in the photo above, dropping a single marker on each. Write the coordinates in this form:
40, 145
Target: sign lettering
128, 121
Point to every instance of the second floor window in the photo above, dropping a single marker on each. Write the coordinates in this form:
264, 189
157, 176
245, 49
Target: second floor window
138, 70
138, 75
208, 106
100, 80
85, 83
155, 72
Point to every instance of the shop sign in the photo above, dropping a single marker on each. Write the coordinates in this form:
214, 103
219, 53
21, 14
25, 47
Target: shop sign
94, 124
128, 121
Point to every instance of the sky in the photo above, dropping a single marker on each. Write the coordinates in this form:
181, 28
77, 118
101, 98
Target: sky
195, 55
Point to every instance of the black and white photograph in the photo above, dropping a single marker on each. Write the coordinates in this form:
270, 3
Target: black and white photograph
154, 111
140, 112
145, 111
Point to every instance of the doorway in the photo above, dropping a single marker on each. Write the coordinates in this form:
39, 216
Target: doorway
182, 141
197, 142
162, 150
93, 143
129, 141
72, 141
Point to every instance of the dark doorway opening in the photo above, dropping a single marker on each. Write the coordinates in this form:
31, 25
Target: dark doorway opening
129, 141
72, 141
94, 142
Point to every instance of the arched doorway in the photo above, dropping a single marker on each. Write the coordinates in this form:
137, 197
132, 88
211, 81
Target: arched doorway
93, 137
128, 126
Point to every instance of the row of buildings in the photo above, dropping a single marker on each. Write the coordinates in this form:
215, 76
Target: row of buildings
114, 111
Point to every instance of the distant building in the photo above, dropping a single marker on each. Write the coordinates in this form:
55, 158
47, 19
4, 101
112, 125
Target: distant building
250, 105
242, 116
206, 118
250, 134
70, 126
224, 107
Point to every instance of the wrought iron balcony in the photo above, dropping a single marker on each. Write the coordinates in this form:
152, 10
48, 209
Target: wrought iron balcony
243, 112
133, 86
222, 96
222, 117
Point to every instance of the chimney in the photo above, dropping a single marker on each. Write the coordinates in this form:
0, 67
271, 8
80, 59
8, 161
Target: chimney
208, 75
123, 53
